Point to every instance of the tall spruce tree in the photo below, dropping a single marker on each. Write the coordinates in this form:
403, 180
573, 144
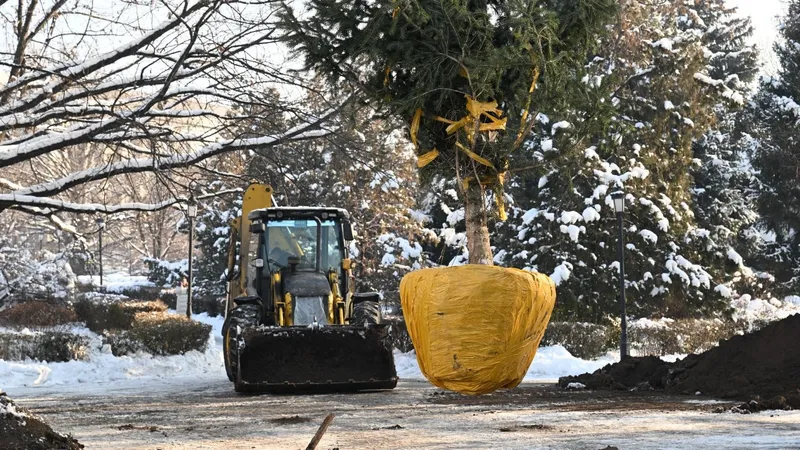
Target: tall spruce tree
775, 116
212, 233
726, 190
654, 89
465, 75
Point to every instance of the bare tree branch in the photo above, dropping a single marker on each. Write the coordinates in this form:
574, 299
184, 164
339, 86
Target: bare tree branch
76, 113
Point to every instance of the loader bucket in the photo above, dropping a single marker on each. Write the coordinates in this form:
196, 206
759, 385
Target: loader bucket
326, 359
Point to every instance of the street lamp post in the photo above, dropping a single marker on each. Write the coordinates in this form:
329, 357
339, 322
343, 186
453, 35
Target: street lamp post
191, 211
619, 208
101, 224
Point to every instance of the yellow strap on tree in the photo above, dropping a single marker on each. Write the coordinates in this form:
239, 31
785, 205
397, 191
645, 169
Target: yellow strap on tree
477, 109
521, 132
415, 126
499, 124
474, 155
427, 158
489, 180
455, 126
442, 119
501, 208
496, 182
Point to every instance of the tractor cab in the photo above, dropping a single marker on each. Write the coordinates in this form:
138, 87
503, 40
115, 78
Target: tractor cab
299, 264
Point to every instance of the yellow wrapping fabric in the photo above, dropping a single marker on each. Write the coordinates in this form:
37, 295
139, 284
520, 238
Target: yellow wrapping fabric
476, 328
427, 158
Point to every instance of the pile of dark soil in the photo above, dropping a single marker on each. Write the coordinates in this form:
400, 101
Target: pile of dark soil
764, 364
21, 430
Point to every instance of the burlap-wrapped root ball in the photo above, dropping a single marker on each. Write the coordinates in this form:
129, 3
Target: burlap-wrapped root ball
476, 328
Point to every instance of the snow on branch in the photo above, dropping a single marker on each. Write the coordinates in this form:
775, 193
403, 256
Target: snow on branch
725, 91
46, 206
118, 99
181, 160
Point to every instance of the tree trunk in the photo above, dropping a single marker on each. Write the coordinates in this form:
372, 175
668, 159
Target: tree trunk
480, 252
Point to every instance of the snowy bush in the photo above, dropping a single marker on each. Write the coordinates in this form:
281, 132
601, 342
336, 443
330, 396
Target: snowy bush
143, 293
170, 298
41, 275
50, 346
160, 334
209, 304
685, 336
166, 273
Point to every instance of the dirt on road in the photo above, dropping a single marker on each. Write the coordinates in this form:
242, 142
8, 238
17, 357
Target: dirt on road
414, 415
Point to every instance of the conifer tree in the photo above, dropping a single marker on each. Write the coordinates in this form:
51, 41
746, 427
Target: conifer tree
653, 88
465, 75
725, 190
212, 234
776, 116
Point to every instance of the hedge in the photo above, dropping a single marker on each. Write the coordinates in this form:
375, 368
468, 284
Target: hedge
37, 314
116, 315
160, 334
50, 346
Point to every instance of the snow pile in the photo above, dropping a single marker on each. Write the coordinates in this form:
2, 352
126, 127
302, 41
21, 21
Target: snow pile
407, 366
101, 367
555, 361
215, 322
755, 310
116, 282
549, 364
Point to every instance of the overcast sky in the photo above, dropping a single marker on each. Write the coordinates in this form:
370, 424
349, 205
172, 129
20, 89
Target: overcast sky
763, 13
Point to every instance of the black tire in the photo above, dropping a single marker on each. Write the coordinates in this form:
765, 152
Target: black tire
366, 311
243, 316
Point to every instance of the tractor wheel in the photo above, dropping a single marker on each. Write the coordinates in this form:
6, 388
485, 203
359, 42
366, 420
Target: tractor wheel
242, 316
366, 311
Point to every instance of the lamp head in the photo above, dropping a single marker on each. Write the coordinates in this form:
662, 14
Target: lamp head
619, 201
191, 208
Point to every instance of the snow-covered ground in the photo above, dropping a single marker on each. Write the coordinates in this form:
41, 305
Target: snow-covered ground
414, 415
103, 370
549, 364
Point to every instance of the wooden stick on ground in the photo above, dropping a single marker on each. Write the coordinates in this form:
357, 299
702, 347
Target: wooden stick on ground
322, 429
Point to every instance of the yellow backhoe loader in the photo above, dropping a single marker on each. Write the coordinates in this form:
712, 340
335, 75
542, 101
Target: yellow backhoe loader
293, 323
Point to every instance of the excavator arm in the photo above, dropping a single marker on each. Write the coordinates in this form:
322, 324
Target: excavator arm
257, 196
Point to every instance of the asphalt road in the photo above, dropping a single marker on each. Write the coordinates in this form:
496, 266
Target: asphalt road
414, 415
